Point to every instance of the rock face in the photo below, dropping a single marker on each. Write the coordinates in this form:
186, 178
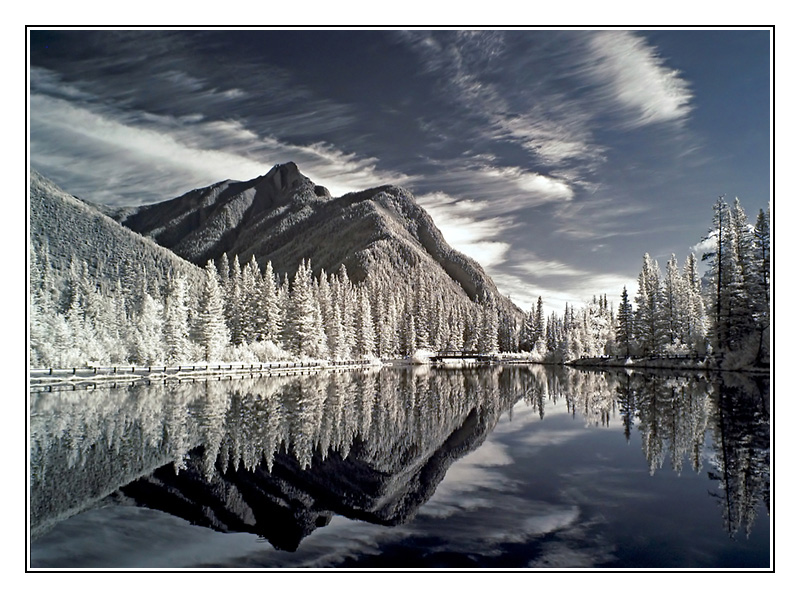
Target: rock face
283, 217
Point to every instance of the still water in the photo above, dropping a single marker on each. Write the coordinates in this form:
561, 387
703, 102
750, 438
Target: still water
502, 467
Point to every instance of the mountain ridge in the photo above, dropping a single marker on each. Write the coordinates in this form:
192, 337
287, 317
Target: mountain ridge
74, 229
283, 217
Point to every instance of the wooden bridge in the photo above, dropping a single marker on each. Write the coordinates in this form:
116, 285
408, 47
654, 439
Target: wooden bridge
471, 355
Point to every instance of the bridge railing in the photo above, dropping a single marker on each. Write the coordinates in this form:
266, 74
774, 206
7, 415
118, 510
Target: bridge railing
141, 370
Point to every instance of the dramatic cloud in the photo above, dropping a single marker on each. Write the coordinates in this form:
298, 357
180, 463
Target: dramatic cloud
583, 148
112, 153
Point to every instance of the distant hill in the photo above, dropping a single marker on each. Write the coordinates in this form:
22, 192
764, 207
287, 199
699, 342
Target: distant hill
68, 229
283, 217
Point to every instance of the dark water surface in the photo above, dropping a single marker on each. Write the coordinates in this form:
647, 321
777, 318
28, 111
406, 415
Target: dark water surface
509, 467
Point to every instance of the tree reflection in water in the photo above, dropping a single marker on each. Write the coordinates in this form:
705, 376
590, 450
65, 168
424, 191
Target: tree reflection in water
279, 456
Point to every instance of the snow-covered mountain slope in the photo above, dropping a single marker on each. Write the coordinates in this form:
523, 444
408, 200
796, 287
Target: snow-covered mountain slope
283, 217
67, 228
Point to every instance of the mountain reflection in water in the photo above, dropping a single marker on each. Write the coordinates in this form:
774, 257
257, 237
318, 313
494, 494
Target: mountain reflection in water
279, 457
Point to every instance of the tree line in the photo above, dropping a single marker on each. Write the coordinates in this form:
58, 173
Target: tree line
233, 312
243, 313
724, 313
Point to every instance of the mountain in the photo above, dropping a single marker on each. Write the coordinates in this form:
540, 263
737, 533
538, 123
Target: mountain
283, 217
69, 229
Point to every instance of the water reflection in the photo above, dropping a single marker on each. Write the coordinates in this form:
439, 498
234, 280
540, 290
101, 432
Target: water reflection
673, 414
279, 457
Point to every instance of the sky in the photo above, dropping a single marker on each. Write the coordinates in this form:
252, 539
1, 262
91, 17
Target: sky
555, 158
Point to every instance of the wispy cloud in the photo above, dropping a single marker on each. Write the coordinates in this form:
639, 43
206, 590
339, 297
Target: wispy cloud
106, 154
618, 75
632, 74
466, 228
526, 277
607, 216
541, 188
533, 115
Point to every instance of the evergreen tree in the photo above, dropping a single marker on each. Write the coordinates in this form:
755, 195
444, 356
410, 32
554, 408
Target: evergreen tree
224, 271
528, 334
743, 315
408, 337
210, 331
304, 318
387, 337
726, 282
695, 321
761, 240
672, 310
456, 327
176, 319
149, 338
269, 307
250, 310
488, 339
539, 326
422, 309
646, 325
761, 299
345, 297
365, 332
625, 329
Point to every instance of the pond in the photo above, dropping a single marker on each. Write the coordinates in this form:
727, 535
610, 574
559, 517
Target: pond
509, 467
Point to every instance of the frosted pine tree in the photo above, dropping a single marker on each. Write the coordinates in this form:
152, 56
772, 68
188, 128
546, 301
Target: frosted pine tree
325, 300
149, 336
624, 331
488, 340
270, 306
422, 309
527, 337
743, 304
439, 330
725, 278
233, 303
224, 270
646, 324
365, 332
672, 308
695, 320
176, 319
336, 337
250, 310
761, 299
408, 329
539, 328
304, 319
472, 326
211, 332
389, 340
346, 299
761, 241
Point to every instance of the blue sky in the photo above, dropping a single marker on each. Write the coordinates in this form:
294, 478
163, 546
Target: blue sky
555, 158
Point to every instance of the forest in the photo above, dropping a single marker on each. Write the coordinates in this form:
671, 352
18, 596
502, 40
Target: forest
243, 313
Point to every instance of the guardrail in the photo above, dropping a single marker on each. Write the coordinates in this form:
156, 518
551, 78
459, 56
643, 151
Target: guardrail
697, 356
49, 379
